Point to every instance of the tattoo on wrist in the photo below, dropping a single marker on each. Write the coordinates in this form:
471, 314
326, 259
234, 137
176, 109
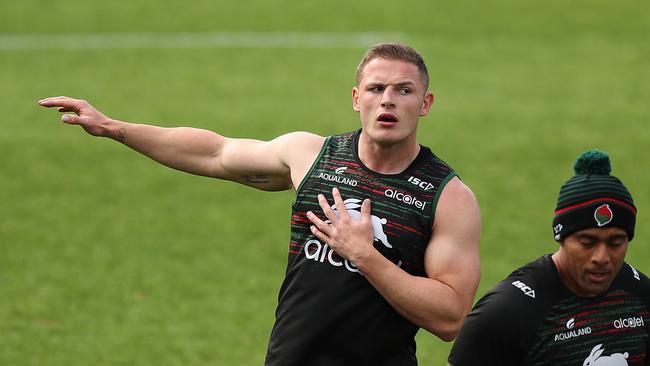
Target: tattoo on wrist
121, 135
257, 179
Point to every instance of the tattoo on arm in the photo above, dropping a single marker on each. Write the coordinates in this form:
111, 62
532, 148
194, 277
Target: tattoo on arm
122, 135
257, 179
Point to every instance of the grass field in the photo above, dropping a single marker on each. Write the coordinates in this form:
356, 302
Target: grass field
108, 259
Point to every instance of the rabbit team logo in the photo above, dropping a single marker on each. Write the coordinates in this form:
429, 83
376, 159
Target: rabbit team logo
352, 205
319, 252
603, 215
595, 358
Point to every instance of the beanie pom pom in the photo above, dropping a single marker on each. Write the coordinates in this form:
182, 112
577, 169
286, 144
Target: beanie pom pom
593, 162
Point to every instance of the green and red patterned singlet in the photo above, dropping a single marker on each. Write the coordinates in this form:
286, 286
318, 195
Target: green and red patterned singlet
328, 313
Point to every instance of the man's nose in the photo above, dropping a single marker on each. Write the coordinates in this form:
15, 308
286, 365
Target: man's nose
600, 254
387, 99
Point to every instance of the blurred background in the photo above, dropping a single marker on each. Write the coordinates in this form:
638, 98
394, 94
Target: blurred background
109, 259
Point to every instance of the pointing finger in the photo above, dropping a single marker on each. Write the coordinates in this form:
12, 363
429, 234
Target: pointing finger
60, 102
52, 101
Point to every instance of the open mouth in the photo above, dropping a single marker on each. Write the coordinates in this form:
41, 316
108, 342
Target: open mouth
598, 276
387, 117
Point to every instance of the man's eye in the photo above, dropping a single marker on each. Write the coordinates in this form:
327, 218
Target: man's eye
377, 89
616, 243
405, 91
587, 242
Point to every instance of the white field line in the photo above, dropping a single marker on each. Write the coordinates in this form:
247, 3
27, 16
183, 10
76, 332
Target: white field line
288, 40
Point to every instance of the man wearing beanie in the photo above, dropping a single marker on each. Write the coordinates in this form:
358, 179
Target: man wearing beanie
582, 305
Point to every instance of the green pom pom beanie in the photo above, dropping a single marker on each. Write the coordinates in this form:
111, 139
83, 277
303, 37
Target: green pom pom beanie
593, 198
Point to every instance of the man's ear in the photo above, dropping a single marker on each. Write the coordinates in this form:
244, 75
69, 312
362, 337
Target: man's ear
355, 99
426, 104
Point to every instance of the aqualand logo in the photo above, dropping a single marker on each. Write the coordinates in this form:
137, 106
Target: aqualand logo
338, 178
319, 252
571, 323
571, 331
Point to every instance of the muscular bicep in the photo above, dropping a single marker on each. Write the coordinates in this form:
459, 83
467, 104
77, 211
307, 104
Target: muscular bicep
452, 256
268, 165
253, 163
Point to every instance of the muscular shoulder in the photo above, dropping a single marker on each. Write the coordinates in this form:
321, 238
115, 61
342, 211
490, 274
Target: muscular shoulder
298, 150
457, 207
456, 192
300, 136
457, 188
300, 141
295, 147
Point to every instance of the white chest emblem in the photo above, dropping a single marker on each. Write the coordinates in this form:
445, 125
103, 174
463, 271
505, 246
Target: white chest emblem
595, 358
352, 205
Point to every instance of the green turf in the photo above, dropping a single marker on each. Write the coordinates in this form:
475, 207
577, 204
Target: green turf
108, 259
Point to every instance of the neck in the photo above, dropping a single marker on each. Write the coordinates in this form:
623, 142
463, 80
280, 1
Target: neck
389, 158
566, 278
556, 257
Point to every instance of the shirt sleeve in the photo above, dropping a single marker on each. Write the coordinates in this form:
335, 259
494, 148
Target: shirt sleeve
492, 332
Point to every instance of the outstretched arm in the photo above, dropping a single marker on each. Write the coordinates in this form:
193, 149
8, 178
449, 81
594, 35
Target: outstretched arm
267, 165
438, 302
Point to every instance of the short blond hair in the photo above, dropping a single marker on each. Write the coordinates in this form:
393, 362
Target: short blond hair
394, 51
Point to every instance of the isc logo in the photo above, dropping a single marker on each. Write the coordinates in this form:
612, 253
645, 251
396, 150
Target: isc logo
420, 183
524, 288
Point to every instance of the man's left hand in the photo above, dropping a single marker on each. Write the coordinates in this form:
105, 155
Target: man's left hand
349, 238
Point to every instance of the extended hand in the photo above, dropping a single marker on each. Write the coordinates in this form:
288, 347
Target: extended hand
84, 115
349, 238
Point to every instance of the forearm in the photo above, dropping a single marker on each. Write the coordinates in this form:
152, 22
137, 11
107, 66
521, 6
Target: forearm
190, 150
426, 302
